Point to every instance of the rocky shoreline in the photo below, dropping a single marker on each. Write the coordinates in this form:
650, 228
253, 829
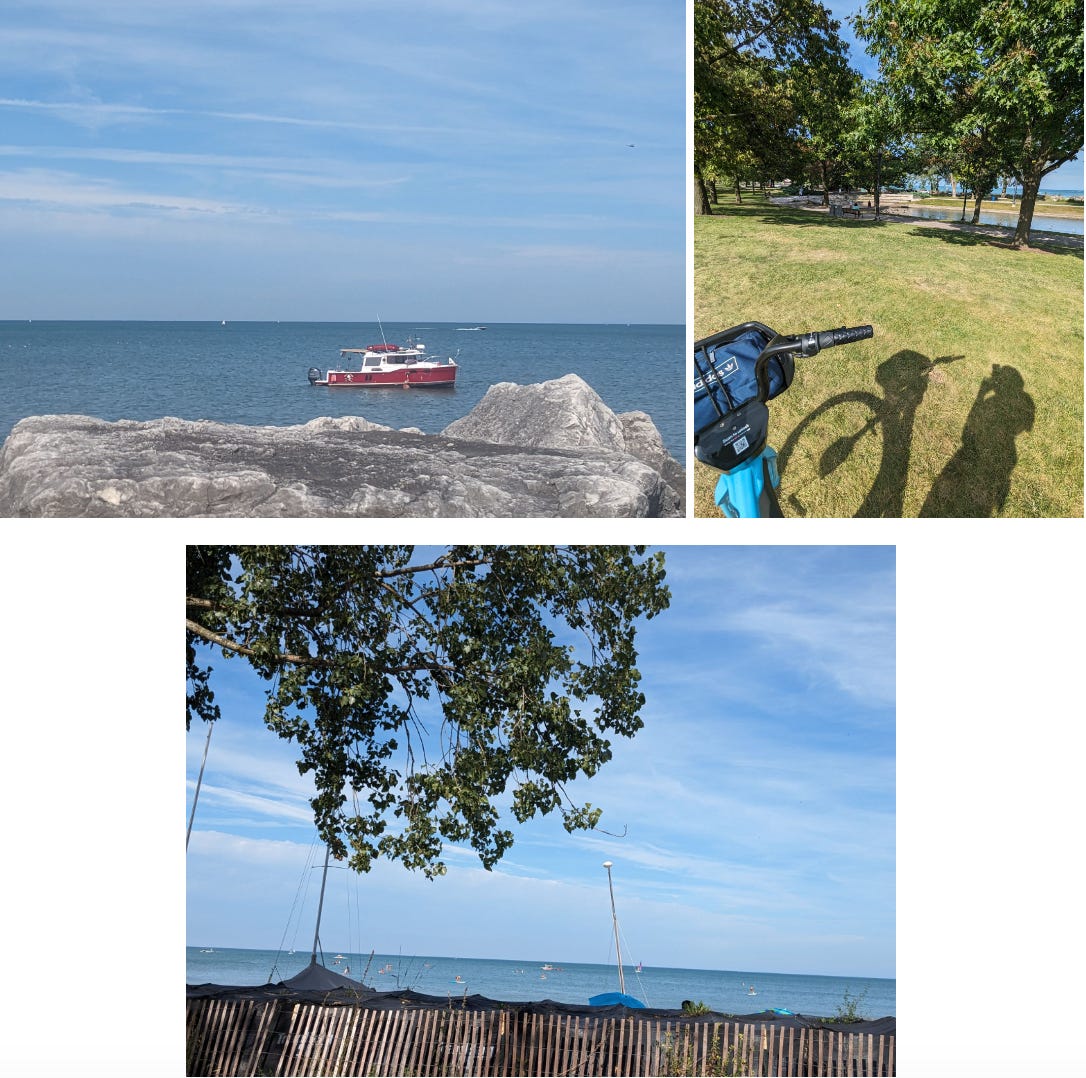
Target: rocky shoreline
553, 449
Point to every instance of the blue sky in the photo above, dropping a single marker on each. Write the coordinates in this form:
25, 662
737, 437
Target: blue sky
246, 159
758, 800
1067, 177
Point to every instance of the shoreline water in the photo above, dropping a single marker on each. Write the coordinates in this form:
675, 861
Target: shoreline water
253, 373
726, 991
897, 215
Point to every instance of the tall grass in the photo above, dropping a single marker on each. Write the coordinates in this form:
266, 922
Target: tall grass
967, 402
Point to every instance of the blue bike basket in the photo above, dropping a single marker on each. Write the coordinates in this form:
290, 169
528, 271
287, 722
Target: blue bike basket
731, 421
724, 377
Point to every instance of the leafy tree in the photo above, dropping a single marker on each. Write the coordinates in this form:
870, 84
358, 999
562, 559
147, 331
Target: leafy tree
743, 53
1012, 69
822, 96
352, 640
978, 163
876, 151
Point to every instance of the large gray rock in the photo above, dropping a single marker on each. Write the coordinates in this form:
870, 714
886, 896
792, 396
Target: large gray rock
583, 462
566, 413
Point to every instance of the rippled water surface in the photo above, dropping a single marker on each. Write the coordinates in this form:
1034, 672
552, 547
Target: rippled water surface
729, 991
255, 372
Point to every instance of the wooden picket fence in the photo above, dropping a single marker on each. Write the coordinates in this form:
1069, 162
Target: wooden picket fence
281, 1037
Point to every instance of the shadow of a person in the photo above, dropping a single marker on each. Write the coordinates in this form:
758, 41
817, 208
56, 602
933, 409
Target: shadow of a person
977, 479
904, 380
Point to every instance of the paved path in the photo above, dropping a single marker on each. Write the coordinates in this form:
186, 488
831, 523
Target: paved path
1038, 236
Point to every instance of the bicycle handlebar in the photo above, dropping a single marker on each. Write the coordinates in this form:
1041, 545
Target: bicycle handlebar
813, 343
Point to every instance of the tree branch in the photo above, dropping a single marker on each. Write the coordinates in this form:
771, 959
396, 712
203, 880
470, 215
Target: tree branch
241, 649
306, 660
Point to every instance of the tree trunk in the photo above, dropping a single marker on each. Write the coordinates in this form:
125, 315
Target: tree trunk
712, 190
738, 192
702, 205
976, 209
824, 168
1031, 183
953, 187
878, 182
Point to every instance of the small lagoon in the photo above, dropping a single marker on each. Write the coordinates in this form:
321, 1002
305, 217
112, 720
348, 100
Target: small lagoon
1006, 219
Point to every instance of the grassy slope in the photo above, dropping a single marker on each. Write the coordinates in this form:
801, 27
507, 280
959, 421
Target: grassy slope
994, 428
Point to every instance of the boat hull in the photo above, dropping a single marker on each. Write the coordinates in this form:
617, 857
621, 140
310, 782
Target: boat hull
405, 377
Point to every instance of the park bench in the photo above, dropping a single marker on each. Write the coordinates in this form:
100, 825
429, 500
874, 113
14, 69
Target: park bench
850, 212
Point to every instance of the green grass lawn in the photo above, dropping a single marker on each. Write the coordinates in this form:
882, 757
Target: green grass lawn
967, 402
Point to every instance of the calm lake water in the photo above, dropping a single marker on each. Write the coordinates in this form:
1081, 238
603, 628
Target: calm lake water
1041, 222
524, 980
255, 372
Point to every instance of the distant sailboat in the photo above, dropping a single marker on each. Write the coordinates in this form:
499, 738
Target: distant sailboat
609, 999
316, 975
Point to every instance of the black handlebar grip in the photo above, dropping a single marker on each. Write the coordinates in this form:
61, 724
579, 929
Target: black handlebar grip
831, 337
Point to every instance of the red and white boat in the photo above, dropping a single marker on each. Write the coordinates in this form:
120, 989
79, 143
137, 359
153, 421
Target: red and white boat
387, 365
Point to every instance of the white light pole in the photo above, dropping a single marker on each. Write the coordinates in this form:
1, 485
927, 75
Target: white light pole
614, 918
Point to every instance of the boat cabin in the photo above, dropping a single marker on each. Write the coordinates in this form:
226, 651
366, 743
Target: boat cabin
382, 355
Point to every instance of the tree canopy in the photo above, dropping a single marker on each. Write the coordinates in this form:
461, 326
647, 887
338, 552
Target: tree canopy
1000, 80
429, 698
750, 61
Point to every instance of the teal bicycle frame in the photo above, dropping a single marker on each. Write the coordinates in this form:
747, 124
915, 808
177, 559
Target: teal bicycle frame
734, 439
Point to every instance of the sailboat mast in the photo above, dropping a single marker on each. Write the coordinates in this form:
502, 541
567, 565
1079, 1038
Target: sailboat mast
614, 918
199, 783
320, 906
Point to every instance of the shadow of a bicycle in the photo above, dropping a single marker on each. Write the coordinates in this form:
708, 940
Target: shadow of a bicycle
974, 483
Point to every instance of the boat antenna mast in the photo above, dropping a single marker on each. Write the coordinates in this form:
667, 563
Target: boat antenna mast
382, 329
320, 907
199, 783
614, 919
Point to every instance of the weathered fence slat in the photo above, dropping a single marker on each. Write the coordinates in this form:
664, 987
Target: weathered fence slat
248, 1037
291, 1043
354, 1042
399, 1033
239, 1035
420, 1061
371, 1042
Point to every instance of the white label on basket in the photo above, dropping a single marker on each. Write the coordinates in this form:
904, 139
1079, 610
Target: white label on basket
726, 368
740, 445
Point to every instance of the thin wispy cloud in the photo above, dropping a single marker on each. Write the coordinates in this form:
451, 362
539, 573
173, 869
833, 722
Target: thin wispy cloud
438, 128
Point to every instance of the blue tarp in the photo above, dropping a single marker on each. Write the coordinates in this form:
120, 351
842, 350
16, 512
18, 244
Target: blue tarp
614, 999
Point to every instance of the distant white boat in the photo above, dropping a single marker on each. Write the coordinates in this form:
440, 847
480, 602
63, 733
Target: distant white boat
469, 329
